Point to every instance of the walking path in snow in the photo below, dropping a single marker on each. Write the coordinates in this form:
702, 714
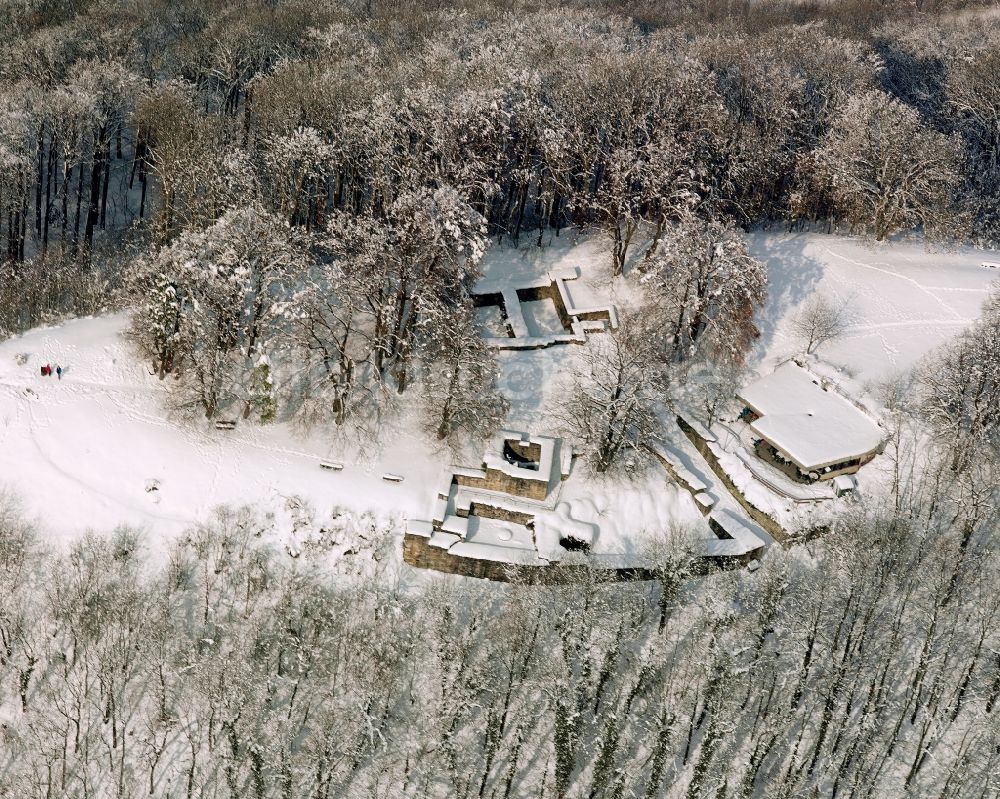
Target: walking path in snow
82, 451
901, 300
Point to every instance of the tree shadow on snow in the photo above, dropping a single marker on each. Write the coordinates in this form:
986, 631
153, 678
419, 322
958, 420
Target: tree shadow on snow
792, 276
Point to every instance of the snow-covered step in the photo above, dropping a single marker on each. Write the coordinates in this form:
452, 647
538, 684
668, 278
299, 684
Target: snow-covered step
419, 527
443, 540
456, 525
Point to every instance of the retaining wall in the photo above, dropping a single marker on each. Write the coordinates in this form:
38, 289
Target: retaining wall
418, 552
776, 531
487, 511
549, 292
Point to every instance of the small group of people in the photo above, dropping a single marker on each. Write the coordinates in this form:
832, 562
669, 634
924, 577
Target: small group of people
47, 371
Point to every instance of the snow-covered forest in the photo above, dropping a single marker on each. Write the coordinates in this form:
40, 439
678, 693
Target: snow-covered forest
281, 210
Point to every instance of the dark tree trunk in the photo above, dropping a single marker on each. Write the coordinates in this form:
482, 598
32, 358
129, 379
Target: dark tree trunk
96, 179
38, 181
23, 230
104, 184
79, 202
64, 190
49, 174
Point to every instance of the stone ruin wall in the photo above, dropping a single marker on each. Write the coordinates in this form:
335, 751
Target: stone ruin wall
498, 481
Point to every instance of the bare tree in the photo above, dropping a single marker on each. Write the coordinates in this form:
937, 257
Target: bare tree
703, 288
819, 320
886, 172
713, 386
460, 375
960, 389
610, 404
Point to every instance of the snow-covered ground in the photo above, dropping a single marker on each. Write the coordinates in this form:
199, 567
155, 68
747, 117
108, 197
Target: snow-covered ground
98, 448
629, 515
901, 299
83, 452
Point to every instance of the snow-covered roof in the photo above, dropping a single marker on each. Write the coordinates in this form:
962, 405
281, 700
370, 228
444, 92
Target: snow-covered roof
810, 425
844, 482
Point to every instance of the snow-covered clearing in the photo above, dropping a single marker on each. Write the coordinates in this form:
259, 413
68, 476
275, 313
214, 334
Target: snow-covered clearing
98, 449
84, 452
901, 299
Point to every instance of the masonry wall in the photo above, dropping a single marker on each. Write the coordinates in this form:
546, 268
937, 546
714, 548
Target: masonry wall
529, 451
549, 292
723, 534
776, 530
489, 300
501, 514
594, 316
669, 468
496, 480
418, 552
484, 300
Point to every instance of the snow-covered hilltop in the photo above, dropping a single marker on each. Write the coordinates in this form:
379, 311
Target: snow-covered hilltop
596, 399
102, 443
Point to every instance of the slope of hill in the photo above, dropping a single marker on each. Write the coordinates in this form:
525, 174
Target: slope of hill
98, 449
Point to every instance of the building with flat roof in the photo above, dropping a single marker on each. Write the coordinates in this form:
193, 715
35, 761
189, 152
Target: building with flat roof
806, 425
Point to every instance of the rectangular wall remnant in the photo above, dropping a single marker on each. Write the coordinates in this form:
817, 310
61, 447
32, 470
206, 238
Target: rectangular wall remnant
505, 484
